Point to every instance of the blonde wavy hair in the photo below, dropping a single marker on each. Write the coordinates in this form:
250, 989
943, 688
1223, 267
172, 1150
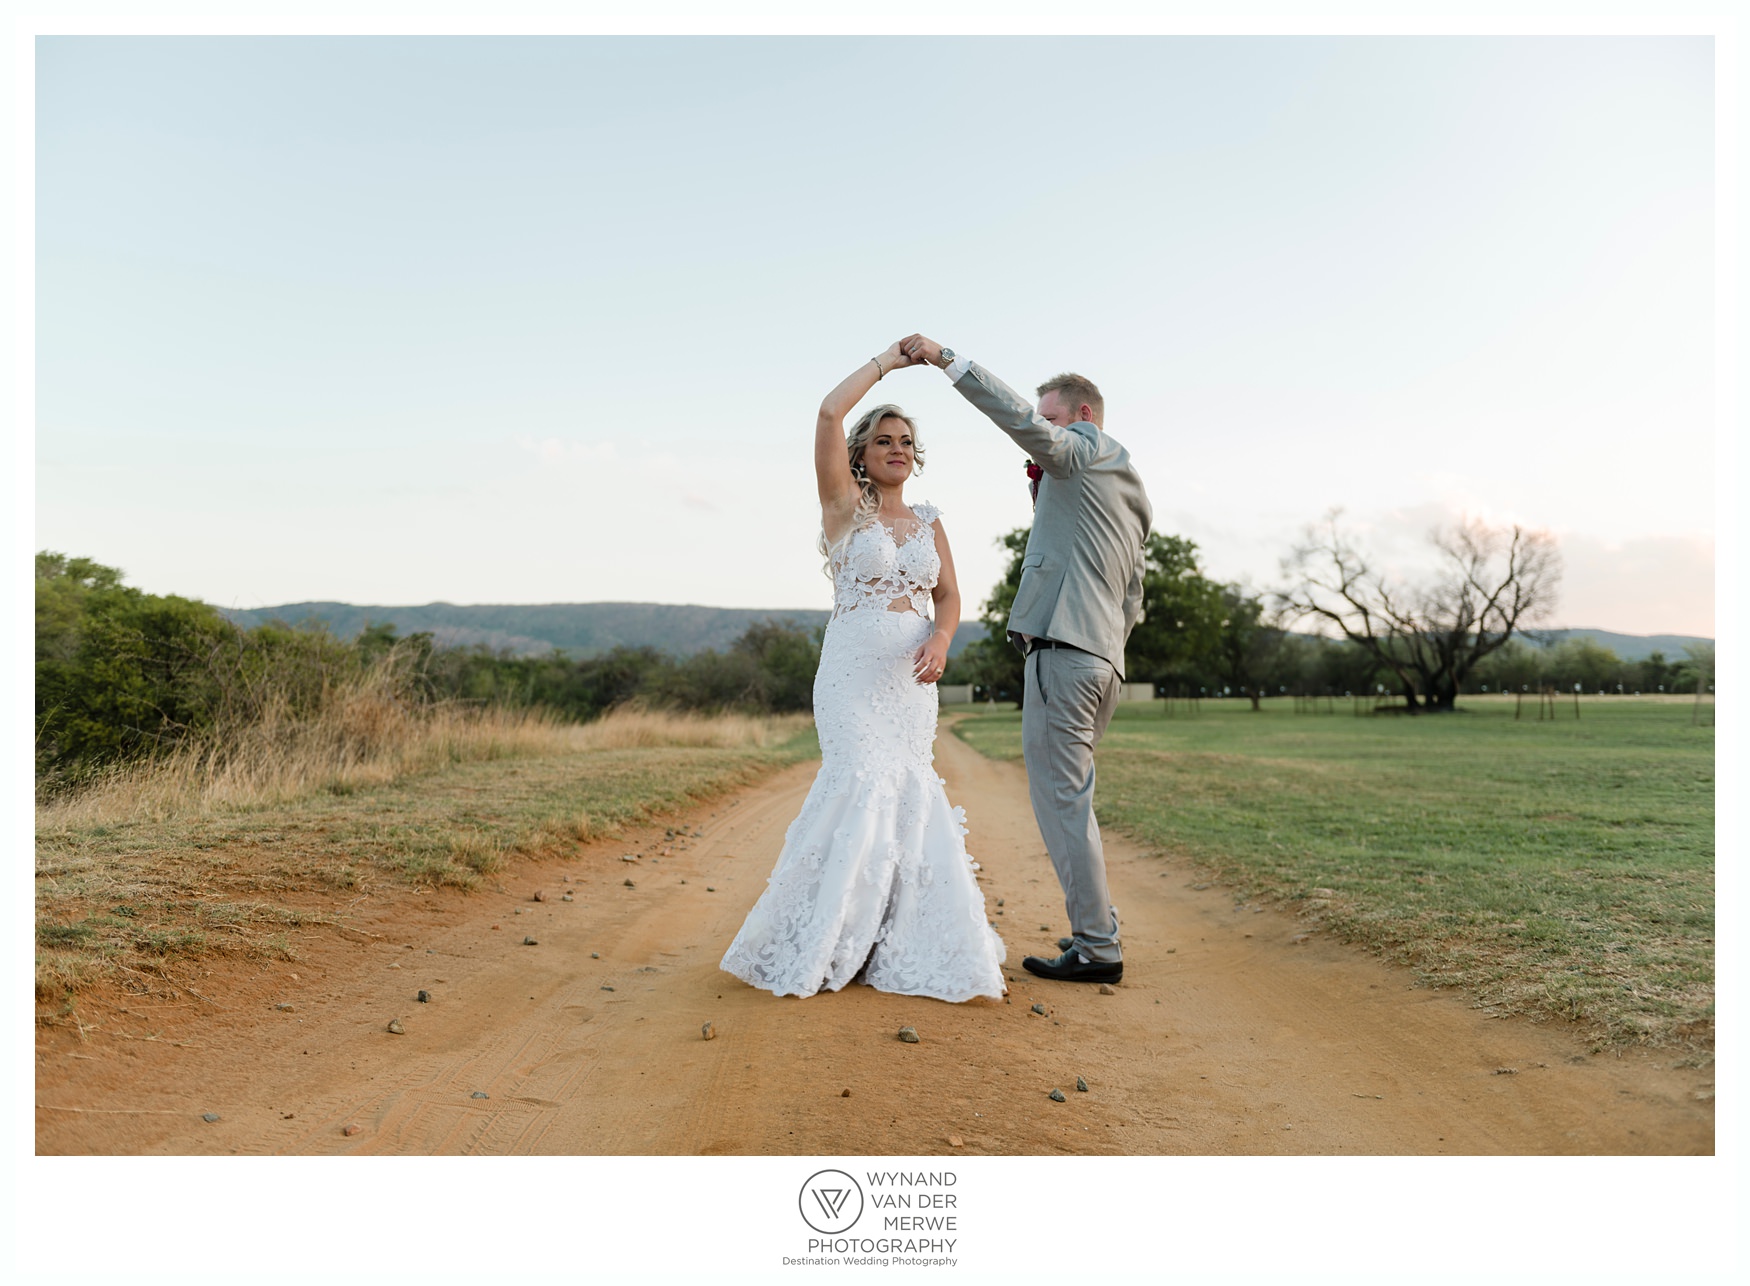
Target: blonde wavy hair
857, 442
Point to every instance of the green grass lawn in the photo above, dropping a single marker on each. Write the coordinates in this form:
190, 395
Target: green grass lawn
1555, 868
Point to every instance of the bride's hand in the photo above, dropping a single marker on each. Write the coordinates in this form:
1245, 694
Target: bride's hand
896, 356
922, 349
931, 658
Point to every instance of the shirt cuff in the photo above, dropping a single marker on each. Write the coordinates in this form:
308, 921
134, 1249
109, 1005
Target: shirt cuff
956, 368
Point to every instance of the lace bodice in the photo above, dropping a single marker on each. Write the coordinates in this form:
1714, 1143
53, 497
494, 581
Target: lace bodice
872, 568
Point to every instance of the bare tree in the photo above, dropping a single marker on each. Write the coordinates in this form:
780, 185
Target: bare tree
1491, 583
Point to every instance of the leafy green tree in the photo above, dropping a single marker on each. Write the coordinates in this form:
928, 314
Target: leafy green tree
1180, 626
118, 672
787, 657
1584, 661
1317, 666
1248, 647
1182, 613
1696, 668
1651, 674
1510, 668
993, 663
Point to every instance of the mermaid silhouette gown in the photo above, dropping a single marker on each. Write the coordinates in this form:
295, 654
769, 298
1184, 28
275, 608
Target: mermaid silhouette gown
874, 883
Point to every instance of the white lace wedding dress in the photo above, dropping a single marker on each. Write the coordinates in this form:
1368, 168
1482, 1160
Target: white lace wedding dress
874, 882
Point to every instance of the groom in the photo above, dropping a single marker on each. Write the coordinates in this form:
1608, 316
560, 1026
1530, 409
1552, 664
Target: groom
1079, 598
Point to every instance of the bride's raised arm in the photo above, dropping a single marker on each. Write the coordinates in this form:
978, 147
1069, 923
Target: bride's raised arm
839, 488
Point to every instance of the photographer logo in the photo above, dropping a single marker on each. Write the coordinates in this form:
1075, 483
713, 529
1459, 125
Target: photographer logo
831, 1202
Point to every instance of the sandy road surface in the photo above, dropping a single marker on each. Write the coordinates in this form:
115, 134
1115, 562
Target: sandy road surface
1225, 1037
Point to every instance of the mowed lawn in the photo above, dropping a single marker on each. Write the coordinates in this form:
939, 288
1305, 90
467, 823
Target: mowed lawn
1548, 868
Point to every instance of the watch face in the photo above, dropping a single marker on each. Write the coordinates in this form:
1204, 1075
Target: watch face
947, 356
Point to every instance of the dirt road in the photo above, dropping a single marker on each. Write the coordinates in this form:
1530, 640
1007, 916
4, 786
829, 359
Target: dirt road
1226, 1036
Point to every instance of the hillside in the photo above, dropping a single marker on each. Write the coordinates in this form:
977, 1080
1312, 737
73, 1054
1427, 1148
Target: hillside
587, 629
1631, 647
578, 629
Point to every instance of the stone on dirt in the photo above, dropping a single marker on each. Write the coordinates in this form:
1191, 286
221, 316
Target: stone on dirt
209, 1117
352, 1129
909, 1035
1081, 1085
479, 1094
530, 942
1056, 1096
844, 1093
566, 897
425, 997
1039, 1009
1107, 989
709, 1031
955, 1141
629, 884
395, 1027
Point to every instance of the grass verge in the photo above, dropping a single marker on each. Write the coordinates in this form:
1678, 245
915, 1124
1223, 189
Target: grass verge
1548, 869
127, 892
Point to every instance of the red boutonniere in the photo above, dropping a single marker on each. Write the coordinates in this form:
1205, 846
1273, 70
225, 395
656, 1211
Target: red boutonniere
1034, 473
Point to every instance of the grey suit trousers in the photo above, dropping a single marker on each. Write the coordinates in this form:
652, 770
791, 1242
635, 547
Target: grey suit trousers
1069, 701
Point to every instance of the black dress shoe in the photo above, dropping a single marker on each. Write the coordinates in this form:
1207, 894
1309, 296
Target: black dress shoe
1064, 944
1070, 967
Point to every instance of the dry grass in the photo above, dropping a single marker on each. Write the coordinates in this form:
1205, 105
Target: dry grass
632, 728
235, 850
368, 736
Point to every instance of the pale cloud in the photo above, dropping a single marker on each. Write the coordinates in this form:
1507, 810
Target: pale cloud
1645, 585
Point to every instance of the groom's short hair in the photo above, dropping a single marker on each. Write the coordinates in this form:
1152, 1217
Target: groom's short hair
1076, 389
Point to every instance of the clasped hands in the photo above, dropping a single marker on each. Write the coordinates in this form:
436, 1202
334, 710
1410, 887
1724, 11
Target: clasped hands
913, 350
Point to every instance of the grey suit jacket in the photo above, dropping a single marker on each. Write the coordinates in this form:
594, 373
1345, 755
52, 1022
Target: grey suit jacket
1081, 574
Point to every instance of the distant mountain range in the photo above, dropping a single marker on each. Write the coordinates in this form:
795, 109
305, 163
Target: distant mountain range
1630, 647
588, 629
577, 629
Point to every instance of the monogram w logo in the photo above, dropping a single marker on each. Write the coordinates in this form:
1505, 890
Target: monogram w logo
831, 1201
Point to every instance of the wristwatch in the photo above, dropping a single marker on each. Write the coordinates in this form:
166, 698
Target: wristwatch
947, 358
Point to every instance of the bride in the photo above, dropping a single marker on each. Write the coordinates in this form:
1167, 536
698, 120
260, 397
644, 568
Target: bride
873, 882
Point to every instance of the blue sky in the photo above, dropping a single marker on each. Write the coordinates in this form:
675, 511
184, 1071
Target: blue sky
500, 319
